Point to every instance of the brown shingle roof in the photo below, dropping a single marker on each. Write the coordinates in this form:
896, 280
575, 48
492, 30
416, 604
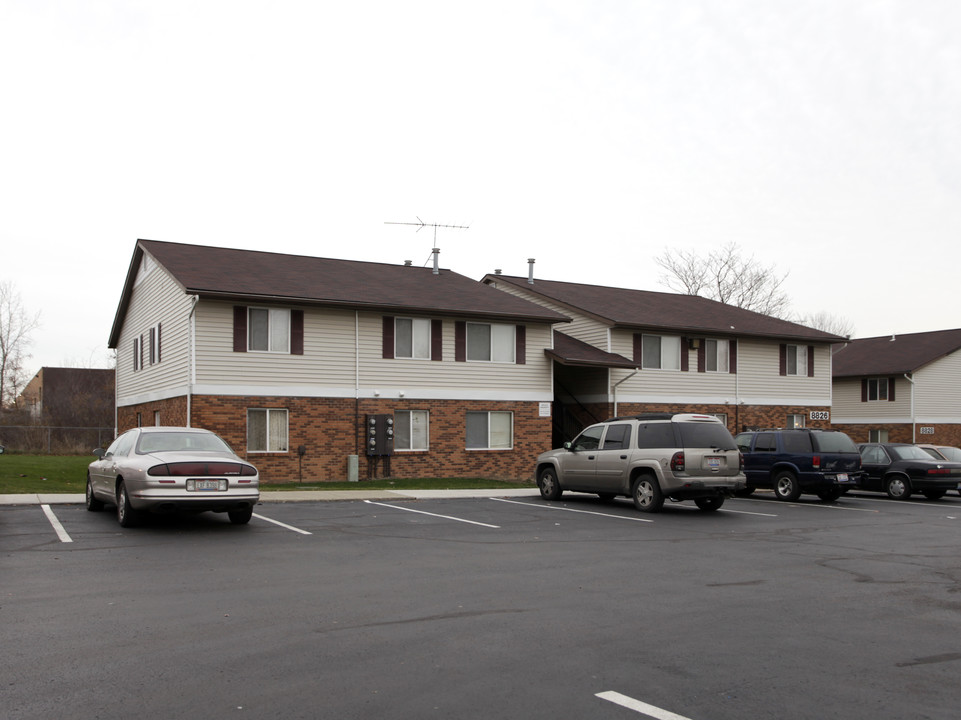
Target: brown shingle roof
254, 276
642, 309
571, 351
894, 354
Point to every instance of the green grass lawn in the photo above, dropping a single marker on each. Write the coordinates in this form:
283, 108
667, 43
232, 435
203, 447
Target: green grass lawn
68, 474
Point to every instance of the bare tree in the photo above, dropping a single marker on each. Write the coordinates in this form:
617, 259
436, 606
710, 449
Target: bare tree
727, 276
829, 323
15, 328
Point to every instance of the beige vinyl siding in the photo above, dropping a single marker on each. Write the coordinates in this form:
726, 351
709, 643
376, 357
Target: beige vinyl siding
330, 364
581, 327
156, 298
937, 390
848, 408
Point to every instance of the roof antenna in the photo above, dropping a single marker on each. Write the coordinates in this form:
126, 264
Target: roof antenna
435, 251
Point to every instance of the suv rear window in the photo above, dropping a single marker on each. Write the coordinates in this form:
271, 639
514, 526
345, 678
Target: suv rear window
796, 442
834, 442
705, 435
655, 435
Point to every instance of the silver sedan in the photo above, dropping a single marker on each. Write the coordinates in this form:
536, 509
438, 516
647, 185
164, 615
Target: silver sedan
163, 469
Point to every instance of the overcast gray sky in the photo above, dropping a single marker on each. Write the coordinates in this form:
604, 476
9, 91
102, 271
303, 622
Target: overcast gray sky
822, 136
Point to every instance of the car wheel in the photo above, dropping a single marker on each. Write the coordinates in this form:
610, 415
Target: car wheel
240, 517
709, 504
126, 515
897, 487
647, 494
606, 497
934, 494
830, 495
786, 486
93, 505
548, 485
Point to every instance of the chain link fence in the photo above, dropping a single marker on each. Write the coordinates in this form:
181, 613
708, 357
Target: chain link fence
54, 440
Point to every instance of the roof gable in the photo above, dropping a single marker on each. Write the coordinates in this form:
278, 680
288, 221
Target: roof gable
250, 276
644, 309
894, 354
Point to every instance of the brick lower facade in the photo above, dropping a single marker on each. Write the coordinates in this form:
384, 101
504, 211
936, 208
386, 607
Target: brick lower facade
332, 429
742, 417
944, 434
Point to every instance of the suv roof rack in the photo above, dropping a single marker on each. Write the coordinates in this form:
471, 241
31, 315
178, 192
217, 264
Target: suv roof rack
644, 416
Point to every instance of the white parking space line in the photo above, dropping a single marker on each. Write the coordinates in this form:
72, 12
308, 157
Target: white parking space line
748, 512
283, 525
820, 506
638, 706
58, 528
422, 512
584, 512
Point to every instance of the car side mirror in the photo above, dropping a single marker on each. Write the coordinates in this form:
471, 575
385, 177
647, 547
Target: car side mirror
99, 452
567, 446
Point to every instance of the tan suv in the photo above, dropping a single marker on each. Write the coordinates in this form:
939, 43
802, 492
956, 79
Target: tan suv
648, 458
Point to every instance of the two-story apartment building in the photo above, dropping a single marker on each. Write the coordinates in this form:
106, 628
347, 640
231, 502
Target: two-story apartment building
629, 351
900, 388
288, 357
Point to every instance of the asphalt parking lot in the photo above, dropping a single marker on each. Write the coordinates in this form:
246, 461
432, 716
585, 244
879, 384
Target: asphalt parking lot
486, 608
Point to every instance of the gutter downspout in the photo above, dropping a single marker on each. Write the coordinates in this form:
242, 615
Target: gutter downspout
357, 383
191, 353
614, 389
913, 420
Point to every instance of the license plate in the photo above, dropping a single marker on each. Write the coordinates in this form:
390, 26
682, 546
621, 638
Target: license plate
842, 477
207, 485
714, 463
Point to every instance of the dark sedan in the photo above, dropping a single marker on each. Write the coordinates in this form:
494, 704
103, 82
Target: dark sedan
900, 469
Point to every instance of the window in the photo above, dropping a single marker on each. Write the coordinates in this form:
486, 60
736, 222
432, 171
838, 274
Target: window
590, 439
656, 435
618, 437
878, 436
156, 418
268, 330
765, 442
411, 430
660, 352
490, 431
138, 353
720, 416
877, 389
797, 359
490, 342
412, 338
153, 351
266, 430
717, 356
794, 421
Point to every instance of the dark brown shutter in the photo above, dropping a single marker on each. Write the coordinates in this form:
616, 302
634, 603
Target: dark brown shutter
388, 339
240, 328
891, 389
685, 354
437, 340
702, 356
810, 361
864, 389
296, 332
520, 345
782, 367
158, 342
638, 347
133, 355
460, 341
732, 357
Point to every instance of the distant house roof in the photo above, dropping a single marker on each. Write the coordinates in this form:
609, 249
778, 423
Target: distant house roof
644, 309
255, 276
894, 354
570, 351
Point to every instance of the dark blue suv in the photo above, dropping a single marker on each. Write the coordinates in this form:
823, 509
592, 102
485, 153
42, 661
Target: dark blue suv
822, 462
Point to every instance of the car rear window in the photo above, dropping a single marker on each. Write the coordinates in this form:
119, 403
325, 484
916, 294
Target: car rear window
834, 442
705, 435
655, 435
796, 442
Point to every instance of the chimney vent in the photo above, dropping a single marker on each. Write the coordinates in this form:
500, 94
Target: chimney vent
436, 261
408, 263
498, 271
530, 271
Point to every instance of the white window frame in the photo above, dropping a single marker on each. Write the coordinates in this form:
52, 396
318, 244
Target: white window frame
878, 435
795, 421
717, 355
672, 341
799, 354
877, 389
510, 440
417, 332
424, 417
275, 317
501, 345
154, 341
138, 353
269, 413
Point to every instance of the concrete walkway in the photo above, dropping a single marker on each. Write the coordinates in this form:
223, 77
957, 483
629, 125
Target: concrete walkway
298, 495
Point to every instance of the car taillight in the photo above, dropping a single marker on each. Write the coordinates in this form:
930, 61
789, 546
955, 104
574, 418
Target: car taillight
185, 469
939, 471
816, 461
740, 457
677, 462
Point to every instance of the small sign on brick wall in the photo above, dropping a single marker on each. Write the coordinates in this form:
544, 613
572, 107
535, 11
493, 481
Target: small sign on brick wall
927, 430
